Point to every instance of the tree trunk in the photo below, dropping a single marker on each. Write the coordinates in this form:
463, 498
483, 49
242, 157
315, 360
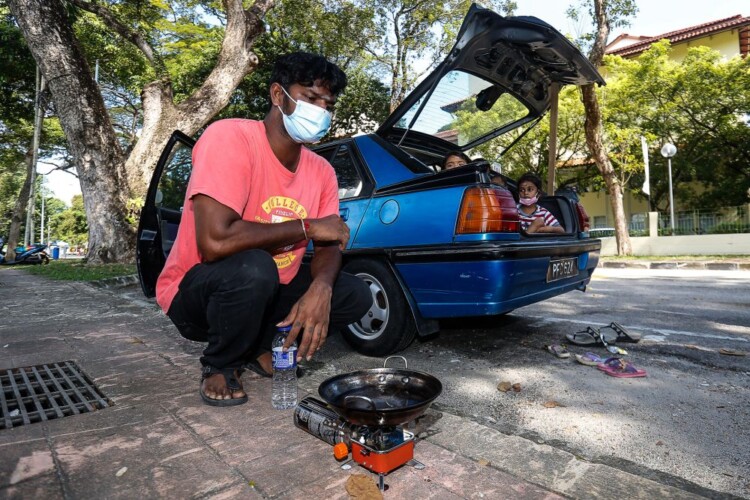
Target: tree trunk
594, 132
108, 179
19, 210
85, 121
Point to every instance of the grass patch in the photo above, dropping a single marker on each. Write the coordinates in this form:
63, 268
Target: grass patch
77, 270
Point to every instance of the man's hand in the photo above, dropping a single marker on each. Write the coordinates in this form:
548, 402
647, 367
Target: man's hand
329, 229
311, 313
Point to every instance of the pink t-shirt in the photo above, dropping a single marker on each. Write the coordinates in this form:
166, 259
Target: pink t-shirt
234, 164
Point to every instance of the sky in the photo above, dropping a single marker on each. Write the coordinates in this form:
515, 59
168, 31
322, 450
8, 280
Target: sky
654, 17
62, 184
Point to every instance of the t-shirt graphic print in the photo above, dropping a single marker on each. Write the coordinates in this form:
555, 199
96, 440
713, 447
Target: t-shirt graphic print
282, 209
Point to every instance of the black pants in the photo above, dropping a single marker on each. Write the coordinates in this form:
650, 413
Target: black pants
234, 305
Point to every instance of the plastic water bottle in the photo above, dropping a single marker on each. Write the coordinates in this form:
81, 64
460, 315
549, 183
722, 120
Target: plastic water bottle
284, 392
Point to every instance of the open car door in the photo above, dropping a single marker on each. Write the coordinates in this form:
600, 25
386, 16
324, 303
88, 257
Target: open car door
162, 209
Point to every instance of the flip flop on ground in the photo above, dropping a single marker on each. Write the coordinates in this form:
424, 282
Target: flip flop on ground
591, 336
231, 377
623, 335
589, 359
558, 350
618, 367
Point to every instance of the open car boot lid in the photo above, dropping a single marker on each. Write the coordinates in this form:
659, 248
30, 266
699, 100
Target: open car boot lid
496, 78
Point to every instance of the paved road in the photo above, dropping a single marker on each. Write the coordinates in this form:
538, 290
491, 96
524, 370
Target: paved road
688, 421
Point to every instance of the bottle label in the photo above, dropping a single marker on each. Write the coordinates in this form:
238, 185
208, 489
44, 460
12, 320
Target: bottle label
284, 360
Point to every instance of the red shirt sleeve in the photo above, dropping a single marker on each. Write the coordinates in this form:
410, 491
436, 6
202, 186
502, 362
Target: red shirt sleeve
222, 165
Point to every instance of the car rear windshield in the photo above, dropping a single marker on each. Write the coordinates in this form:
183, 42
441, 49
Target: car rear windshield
464, 108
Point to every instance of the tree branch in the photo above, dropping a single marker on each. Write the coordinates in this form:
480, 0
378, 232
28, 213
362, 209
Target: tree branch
127, 33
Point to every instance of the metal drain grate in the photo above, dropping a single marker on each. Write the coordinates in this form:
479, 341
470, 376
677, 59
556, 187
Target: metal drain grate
37, 393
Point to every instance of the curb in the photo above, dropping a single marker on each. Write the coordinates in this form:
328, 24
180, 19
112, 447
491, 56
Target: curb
707, 265
116, 282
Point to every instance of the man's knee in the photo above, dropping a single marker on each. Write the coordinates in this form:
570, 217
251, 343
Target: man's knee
251, 268
363, 297
355, 301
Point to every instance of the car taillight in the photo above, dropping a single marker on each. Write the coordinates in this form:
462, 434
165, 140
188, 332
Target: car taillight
487, 210
583, 218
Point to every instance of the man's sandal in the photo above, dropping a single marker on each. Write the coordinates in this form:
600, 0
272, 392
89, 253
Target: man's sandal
254, 366
232, 382
591, 336
624, 335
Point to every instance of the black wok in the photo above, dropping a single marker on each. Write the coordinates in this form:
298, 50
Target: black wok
380, 396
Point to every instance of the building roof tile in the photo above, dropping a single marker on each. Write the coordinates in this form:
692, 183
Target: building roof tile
683, 35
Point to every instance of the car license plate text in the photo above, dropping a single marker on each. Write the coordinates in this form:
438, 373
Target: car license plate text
562, 268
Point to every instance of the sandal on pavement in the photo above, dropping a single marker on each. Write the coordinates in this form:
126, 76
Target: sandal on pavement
589, 359
558, 350
231, 378
254, 366
624, 335
618, 367
591, 336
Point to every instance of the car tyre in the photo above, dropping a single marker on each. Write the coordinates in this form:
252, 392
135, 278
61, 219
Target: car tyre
388, 327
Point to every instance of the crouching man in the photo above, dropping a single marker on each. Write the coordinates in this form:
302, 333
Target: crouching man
255, 198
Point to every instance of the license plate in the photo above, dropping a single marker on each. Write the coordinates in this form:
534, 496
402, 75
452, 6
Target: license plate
562, 268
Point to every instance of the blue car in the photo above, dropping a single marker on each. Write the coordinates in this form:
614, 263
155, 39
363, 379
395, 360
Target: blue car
434, 244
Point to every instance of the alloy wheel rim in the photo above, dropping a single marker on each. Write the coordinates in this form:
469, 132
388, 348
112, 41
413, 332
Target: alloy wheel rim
374, 322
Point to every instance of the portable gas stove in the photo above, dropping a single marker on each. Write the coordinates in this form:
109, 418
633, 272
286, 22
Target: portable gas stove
380, 449
364, 413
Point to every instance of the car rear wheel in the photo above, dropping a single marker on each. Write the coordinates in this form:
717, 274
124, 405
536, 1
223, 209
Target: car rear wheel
388, 326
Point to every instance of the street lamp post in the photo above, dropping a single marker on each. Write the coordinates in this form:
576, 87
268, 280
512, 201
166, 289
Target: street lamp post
668, 151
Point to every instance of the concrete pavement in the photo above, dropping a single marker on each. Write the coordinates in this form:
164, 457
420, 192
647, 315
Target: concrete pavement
158, 440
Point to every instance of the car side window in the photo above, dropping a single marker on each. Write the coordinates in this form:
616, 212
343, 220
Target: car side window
173, 183
349, 179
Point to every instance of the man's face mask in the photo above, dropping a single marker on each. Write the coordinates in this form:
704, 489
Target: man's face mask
308, 123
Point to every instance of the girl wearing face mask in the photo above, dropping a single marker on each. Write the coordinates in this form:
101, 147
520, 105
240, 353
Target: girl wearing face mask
533, 217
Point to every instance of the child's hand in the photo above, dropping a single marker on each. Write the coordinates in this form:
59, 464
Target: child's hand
536, 225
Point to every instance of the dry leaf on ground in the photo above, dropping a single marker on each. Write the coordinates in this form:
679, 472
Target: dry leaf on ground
552, 404
361, 487
483, 462
516, 387
504, 386
731, 352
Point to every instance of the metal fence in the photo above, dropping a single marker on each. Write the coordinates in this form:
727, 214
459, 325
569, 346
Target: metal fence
720, 221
